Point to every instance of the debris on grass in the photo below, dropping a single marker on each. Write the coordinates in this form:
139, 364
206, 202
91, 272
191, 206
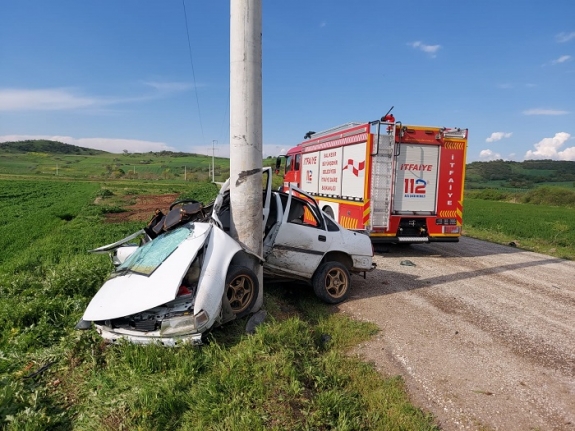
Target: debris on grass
256, 320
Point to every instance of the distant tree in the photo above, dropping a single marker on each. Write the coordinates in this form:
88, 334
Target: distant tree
118, 173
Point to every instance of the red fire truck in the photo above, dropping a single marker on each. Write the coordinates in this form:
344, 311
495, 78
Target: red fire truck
400, 183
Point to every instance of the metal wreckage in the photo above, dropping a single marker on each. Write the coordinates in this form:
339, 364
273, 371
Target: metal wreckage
183, 277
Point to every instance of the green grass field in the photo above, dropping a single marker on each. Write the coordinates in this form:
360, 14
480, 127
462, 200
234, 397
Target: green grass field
132, 166
288, 375
541, 228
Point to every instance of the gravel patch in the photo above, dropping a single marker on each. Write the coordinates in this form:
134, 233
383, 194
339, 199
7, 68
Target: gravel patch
483, 334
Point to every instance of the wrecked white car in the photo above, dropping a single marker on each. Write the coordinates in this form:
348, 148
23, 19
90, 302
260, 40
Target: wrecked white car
185, 278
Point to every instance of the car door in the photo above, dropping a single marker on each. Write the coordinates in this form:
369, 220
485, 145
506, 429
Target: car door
297, 243
267, 183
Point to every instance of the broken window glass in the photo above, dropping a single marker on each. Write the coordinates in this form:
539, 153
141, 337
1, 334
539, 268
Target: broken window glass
147, 258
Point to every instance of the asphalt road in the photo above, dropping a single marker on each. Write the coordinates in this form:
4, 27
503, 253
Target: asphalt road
483, 334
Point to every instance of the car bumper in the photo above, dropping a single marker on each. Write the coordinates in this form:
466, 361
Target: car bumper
115, 336
362, 264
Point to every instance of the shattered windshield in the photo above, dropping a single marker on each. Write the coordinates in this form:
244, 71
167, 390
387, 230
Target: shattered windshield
147, 258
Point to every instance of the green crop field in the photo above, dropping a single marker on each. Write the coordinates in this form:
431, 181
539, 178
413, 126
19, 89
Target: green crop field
541, 228
140, 166
286, 376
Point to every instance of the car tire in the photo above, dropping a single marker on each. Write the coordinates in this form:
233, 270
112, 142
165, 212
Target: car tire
331, 282
242, 287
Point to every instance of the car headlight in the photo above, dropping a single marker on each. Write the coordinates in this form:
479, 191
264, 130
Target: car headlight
183, 325
201, 319
179, 325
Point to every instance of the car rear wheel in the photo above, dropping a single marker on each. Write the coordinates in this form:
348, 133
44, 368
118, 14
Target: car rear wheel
331, 282
242, 287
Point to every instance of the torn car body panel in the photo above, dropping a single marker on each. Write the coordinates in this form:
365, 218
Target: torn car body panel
192, 309
221, 249
132, 328
145, 280
115, 245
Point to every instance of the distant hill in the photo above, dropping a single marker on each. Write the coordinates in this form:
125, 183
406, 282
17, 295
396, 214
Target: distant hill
48, 159
47, 146
526, 174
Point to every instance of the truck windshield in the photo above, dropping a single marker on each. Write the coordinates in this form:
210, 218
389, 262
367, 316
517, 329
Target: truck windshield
289, 161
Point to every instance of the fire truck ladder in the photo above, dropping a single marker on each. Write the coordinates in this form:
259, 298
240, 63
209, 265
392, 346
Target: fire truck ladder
335, 129
381, 176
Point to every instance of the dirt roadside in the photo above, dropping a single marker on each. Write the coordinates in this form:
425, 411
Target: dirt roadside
483, 334
143, 209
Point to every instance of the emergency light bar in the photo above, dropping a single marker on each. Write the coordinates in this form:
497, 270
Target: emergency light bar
455, 133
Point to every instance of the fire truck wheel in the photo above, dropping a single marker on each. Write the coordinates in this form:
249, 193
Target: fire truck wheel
331, 282
241, 289
329, 211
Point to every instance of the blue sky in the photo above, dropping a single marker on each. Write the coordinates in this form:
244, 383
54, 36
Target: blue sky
117, 74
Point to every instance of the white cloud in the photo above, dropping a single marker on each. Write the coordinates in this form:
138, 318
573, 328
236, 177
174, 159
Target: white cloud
544, 112
219, 150
107, 144
322, 24
565, 37
505, 86
59, 99
489, 155
43, 100
429, 49
497, 136
548, 148
223, 150
561, 59
273, 150
169, 87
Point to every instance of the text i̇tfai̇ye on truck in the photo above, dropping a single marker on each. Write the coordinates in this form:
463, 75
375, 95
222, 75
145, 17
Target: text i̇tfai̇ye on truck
400, 183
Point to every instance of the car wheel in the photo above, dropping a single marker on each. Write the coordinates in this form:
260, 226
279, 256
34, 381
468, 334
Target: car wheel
242, 287
331, 282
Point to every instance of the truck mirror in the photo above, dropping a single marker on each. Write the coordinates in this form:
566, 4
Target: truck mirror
278, 164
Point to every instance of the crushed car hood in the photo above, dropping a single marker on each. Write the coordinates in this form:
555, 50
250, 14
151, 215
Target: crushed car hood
157, 279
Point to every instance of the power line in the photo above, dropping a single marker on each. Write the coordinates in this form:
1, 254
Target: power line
193, 72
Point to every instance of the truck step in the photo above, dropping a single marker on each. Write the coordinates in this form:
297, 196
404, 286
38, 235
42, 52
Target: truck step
412, 239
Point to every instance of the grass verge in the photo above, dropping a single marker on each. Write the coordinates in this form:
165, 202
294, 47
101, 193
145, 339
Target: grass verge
292, 374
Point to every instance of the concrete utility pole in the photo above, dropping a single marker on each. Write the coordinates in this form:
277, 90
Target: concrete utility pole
246, 129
